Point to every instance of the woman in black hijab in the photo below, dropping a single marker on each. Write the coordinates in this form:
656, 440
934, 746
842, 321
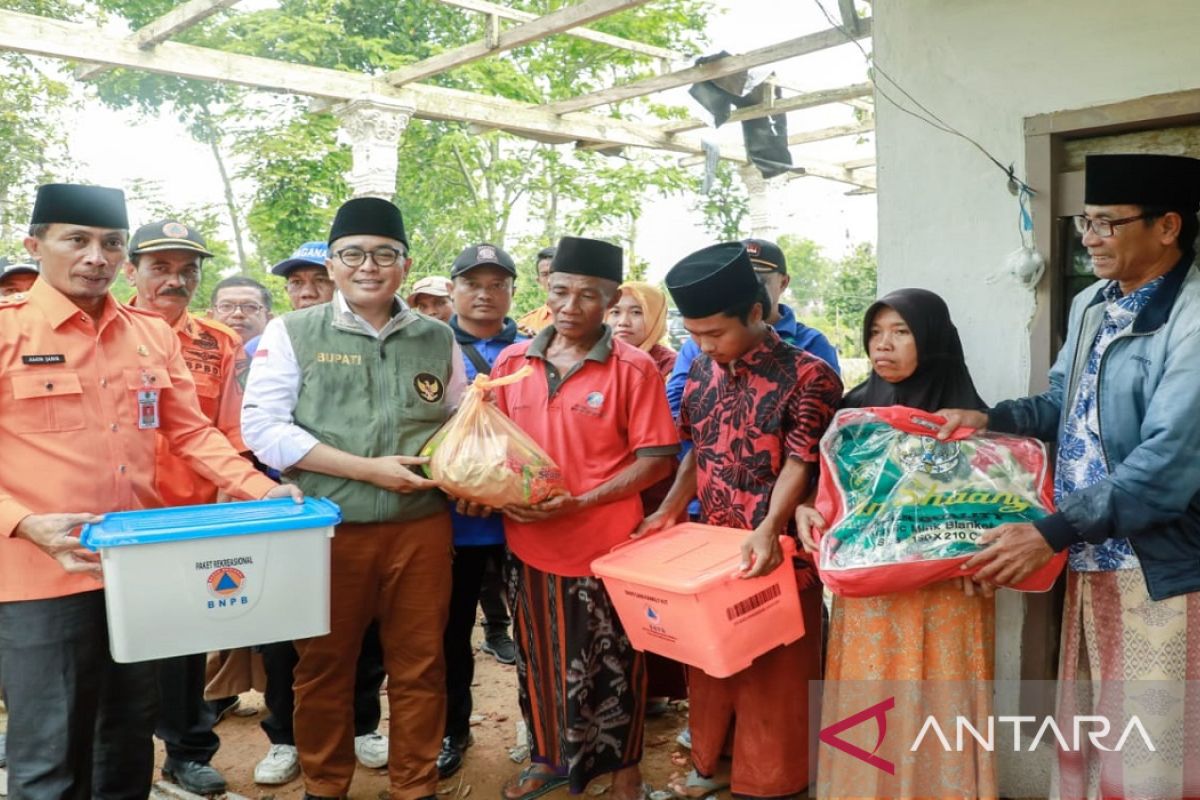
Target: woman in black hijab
940, 378
943, 632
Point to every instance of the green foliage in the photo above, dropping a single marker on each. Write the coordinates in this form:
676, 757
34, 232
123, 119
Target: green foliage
726, 205
810, 269
854, 283
32, 138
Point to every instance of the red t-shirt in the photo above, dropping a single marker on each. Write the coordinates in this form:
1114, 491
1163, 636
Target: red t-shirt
605, 412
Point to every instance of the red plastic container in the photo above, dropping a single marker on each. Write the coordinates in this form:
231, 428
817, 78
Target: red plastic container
677, 596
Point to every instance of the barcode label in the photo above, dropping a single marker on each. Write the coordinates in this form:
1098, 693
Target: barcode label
750, 603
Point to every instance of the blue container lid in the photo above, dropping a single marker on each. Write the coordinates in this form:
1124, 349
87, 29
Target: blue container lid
153, 525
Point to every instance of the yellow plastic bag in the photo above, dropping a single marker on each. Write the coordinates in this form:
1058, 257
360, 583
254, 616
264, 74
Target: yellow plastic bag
482, 456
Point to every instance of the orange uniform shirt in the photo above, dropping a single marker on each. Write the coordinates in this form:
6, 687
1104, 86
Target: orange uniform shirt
535, 321
214, 354
73, 434
601, 417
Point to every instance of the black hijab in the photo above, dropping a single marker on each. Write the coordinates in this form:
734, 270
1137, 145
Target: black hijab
941, 379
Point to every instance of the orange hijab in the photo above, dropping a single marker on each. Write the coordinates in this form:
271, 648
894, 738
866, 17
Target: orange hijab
654, 308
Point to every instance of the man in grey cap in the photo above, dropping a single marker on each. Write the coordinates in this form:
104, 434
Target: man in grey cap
16, 278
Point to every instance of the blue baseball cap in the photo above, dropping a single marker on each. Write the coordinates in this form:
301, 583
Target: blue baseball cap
309, 254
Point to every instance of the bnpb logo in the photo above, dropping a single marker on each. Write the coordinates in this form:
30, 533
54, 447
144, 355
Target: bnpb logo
226, 585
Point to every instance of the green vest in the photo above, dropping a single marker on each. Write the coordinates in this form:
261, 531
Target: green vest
370, 397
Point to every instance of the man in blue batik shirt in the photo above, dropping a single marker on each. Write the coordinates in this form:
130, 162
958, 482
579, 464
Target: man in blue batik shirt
1122, 406
483, 277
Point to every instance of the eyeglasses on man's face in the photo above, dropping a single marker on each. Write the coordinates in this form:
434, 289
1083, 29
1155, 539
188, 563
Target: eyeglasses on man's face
1104, 228
382, 256
249, 309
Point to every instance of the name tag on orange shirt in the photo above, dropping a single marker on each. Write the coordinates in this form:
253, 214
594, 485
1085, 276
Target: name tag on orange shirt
147, 401
47, 358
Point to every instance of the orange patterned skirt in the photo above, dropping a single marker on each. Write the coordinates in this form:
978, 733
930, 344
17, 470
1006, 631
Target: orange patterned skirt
899, 645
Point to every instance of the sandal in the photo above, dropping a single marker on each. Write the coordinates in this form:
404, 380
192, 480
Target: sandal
695, 780
549, 782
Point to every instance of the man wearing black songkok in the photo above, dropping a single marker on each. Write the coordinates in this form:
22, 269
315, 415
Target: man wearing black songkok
1121, 407
597, 406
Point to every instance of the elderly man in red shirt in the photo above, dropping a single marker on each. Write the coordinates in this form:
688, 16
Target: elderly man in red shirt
598, 407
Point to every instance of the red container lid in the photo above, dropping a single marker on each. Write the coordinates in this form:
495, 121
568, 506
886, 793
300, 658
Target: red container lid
685, 559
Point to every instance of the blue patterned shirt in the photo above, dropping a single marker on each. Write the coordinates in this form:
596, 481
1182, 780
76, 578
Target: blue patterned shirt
1081, 461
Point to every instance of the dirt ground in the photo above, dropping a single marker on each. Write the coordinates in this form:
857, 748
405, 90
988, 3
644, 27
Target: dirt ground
487, 765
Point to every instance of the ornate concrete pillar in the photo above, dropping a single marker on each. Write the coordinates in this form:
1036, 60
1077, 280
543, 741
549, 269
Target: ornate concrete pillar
372, 129
761, 225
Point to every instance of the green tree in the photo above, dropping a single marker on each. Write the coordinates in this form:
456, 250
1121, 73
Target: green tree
725, 206
32, 136
854, 285
810, 269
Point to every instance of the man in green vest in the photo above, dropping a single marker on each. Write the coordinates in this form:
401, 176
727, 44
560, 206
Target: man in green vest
340, 398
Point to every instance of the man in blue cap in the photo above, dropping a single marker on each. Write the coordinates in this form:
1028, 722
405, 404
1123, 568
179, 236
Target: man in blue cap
308, 282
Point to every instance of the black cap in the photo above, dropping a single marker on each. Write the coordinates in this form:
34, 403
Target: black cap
578, 256
713, 280
368, 216
481, 255
1142, 180
766, 256
167, 235
76, 204
10, 268
546, 252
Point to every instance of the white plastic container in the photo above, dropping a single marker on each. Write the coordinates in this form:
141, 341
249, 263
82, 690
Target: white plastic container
194, 579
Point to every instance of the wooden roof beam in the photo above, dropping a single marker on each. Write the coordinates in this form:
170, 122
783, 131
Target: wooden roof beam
527, 32
792, 48
850, 17
835, 132
779, 106
504, 12
160, 30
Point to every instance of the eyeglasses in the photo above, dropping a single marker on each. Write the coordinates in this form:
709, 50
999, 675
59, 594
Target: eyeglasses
1104, 228
356, 256
249, 309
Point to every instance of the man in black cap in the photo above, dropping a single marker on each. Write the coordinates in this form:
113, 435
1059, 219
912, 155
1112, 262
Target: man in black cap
482, 280
596, 405
755, 408
341, 398
16, 278
531, 324
1121, 407
90, 386
165, 263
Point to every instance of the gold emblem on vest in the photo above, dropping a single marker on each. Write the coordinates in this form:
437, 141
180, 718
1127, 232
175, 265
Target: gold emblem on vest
429, 386
339, 358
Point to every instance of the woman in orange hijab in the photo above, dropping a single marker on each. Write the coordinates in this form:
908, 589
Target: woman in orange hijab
640, 318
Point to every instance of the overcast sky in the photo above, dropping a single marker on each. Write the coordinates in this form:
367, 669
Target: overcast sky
114, 148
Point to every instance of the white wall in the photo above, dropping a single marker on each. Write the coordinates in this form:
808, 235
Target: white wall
946, 220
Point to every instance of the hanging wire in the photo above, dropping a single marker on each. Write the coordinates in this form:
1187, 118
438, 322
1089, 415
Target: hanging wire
1016, 186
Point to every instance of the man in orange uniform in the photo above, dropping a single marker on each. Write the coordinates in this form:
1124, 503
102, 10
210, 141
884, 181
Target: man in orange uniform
87, 385
164, 265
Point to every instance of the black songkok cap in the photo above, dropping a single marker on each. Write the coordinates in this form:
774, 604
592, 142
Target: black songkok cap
75, 204
578, 256
713, 280
368, 216
1142, 180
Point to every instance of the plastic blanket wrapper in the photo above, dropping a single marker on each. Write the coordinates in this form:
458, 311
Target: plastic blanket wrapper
904, 509
482, 456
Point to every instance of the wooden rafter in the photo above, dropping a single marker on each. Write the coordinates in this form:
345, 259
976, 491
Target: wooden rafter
555, 22
859, 163
803, 45
835, 132
73, 41
850, 17
160, 30
504, 12
780, 106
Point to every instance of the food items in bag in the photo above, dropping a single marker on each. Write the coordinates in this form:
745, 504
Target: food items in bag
905, 509
482, 456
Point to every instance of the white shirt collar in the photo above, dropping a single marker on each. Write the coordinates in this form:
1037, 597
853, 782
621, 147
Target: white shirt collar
344, 311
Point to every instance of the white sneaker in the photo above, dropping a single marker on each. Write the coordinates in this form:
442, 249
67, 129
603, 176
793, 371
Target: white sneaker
372, 750
281, 764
